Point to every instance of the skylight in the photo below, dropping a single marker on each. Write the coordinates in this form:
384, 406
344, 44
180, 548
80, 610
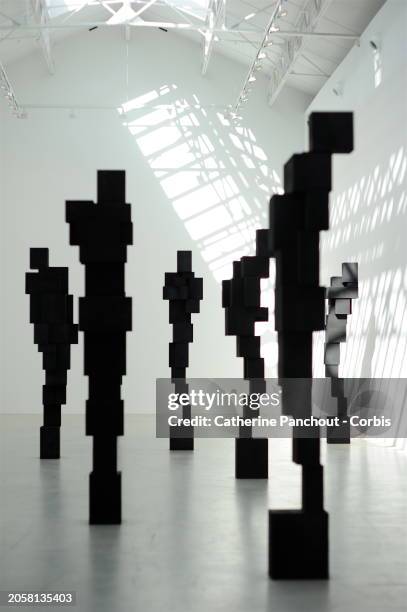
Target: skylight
59, 7
126, 11
195, 8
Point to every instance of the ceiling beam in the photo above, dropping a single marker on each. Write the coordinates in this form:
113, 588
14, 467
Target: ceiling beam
186, 26
41, 20
308, 20
306, 34
137, 24
214, 19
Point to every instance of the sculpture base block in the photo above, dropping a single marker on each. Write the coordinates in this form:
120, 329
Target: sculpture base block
183, 444
251, 457
298, 545
49, 442
105, 499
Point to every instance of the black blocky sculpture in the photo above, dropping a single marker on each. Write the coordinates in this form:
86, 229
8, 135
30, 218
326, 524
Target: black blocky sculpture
51, 312
298, 539
241, 300
103, 231
340, 294
184, 293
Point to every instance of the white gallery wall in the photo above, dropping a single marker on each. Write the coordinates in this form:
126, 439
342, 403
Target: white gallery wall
194, 182
369, 203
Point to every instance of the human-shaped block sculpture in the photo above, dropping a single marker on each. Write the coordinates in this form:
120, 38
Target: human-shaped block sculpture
184, 292
339, 295
51, 312
241, 300
298, 539
103, 231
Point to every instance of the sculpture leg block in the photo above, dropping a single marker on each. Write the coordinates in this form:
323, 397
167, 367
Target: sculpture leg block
251, 458
298, 545
105, 499
338, 435
183, 444
49, 442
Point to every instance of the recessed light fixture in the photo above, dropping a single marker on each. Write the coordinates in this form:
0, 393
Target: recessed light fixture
271, 28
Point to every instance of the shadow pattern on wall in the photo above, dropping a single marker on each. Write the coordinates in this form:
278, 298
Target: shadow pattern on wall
220, 199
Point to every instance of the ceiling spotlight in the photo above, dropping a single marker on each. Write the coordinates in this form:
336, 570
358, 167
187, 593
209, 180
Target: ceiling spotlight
252, 78
261, 55
269, 43
249, 16
274, 28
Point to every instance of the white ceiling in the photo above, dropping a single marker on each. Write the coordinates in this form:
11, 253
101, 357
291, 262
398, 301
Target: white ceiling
246, 22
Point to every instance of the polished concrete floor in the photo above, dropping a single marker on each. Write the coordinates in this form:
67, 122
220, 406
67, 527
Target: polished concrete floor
193, 539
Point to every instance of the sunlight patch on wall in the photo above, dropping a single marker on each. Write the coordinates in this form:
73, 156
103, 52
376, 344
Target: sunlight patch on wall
213, 195
368, 222
215, 176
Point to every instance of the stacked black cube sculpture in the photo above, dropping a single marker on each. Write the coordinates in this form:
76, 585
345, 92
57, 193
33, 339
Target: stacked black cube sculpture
298, 539
184, 292
103, 231
51, 312
340, 294
241, 300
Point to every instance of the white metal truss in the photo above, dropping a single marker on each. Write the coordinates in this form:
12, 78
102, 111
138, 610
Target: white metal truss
256, 64
307, 34
288, 43
135, 24
215, 19
8, 92
291, 50
41, 18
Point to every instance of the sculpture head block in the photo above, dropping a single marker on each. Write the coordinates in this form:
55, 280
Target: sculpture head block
39, 259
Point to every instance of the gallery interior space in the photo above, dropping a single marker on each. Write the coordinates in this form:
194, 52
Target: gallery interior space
159, 226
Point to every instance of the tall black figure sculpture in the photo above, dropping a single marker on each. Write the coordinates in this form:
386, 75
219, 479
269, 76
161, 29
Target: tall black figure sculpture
103, 231
184, 292
241, 300
298, 539
51, 312
340, 294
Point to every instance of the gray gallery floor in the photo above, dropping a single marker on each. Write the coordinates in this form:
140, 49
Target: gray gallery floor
193, 539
